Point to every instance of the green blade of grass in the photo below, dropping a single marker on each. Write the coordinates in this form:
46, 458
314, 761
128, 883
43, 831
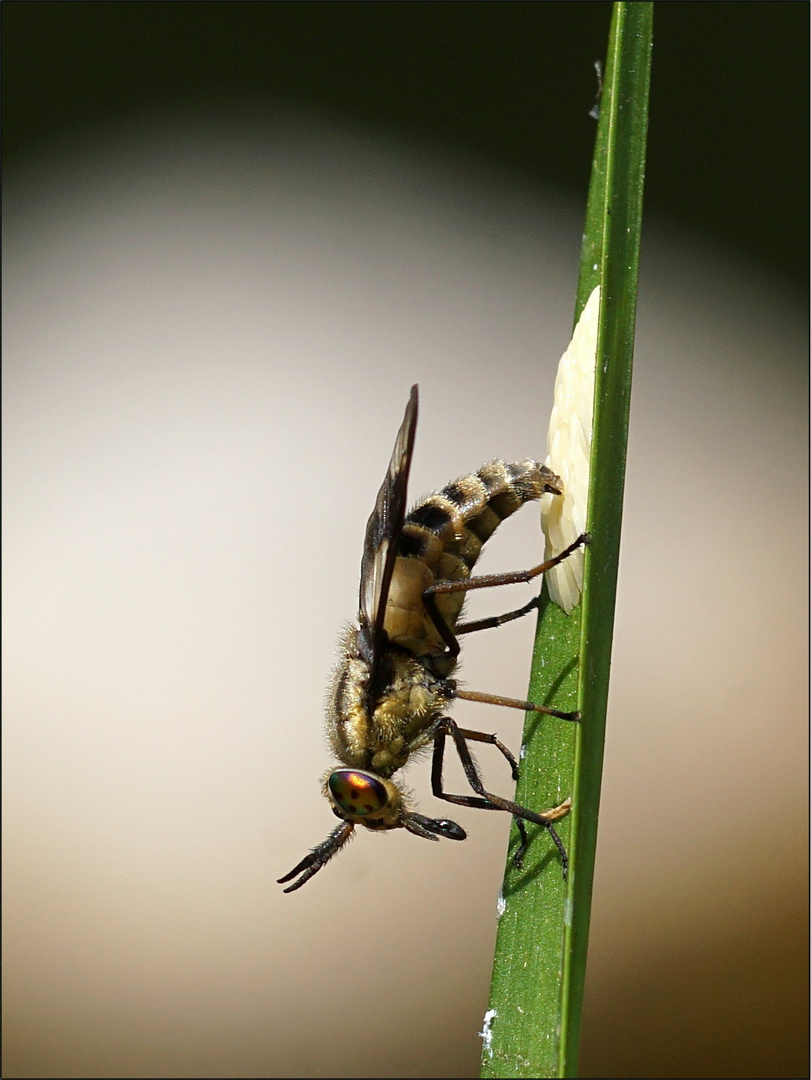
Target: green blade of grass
533, 1022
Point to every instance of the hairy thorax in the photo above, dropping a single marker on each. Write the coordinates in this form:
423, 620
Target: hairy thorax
401, 720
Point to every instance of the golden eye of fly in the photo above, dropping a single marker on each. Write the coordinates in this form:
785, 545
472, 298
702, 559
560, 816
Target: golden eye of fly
357, 793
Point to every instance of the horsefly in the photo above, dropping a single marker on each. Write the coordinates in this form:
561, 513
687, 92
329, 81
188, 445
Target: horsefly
393, 682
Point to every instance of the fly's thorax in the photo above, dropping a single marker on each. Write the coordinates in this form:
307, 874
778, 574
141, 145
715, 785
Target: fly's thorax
406, 711
348, 720
400, 720
364, 798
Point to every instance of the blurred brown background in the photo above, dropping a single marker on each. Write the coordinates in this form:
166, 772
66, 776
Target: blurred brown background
235, 234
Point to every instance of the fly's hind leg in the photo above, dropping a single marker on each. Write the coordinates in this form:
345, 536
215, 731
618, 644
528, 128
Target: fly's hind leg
451, 636
487, 581
485, 800
498, 620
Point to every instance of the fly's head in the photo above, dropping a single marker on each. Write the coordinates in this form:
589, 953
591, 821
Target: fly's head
363, 798
359, 797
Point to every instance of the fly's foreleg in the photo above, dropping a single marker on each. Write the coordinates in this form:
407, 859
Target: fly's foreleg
483, 799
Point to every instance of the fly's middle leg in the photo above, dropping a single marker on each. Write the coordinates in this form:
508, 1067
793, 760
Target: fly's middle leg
513, 703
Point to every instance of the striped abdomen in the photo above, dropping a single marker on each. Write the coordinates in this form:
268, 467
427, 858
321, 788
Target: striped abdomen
443, 537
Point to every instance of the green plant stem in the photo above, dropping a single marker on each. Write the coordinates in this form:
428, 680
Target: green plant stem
539, 968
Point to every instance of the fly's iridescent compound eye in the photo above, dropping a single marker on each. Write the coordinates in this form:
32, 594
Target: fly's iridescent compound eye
357, 793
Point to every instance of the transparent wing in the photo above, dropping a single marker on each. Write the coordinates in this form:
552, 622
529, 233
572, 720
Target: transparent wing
382, 537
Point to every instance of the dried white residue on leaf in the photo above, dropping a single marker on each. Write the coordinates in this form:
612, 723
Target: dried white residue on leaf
568, 447
486, 1034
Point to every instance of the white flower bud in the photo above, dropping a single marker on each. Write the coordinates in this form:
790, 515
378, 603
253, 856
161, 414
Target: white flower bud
568, 446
